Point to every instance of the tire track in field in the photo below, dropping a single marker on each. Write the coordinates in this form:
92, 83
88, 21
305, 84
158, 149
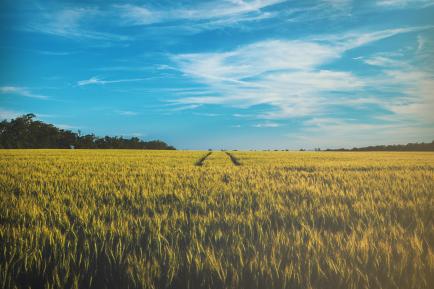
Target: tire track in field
200, 161
234, 159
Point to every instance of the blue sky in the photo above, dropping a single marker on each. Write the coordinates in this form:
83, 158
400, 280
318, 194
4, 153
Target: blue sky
224, 74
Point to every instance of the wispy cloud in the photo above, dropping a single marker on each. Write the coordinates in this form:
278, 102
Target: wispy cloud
56, 53
217, 13
405, 3
418, 89
208, 114
23, 91
266, 125
95, 22
127, 112
96, 80
67, 126
354, 39
421, 42
72, 23
320, 10
185, 107
173, 107
391, 59
287, 75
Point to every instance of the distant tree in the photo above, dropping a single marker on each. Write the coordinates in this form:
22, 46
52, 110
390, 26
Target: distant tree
25, 132
407, 147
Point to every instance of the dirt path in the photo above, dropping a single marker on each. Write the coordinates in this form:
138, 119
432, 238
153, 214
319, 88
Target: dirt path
200, 161
234, 160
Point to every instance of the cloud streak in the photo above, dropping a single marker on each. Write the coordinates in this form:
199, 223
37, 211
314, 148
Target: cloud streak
127, 112
96, 22
97, 81
22, 91
73, 23
217, 13
404, 3
266, 125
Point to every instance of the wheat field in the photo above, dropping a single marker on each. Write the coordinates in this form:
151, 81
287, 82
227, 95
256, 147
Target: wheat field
160, 219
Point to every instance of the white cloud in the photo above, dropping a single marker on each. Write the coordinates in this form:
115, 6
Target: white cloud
421, 42
127, 112
215, 13
382, 60
165, 67
255, 59
392, 2
207, 114
276, 72
286, 75
340, 4
96, 80
320, 10
55, 53
185, 107
92, 80
66, 126
94, 22
354, 39
267, 125
72, 23
405, 3
201, 100
137, 15
418, 87
21, 91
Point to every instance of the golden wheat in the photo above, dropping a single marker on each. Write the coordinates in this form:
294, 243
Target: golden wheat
154, 219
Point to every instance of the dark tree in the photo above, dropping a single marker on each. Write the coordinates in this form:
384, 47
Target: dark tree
407, 147
25, 132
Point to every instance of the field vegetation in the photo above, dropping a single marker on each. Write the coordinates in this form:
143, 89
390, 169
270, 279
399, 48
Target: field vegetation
156, 219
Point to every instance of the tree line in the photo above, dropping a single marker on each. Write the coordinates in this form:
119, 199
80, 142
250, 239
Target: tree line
407, 147
26, 132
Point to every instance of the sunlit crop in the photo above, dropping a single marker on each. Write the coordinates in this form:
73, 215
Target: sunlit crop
156, 219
